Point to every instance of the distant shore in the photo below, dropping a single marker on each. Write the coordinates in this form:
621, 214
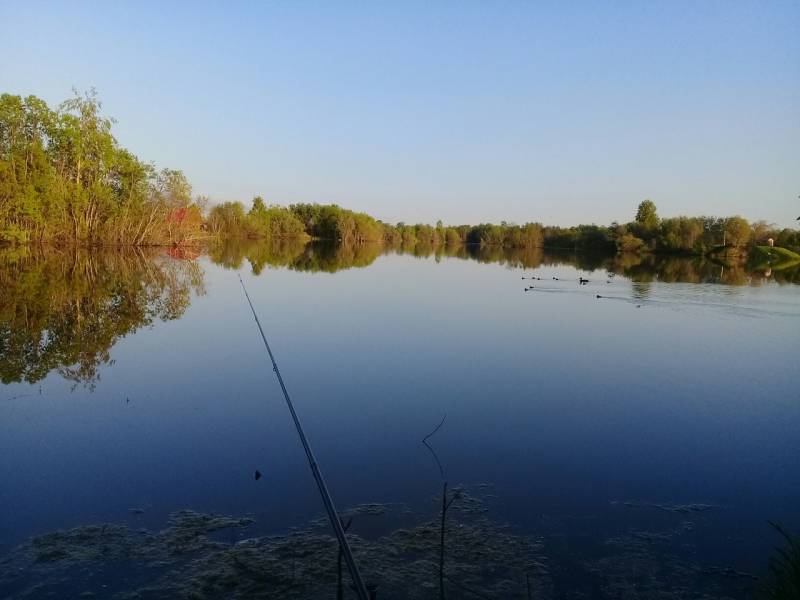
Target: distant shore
64, 178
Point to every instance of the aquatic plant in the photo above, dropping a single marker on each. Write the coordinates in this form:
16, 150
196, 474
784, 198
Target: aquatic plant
783, 582
184, 560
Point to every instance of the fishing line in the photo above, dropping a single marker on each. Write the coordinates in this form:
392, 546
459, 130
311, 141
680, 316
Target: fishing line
333, 516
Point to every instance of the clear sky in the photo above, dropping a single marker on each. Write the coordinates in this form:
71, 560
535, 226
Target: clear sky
465, 111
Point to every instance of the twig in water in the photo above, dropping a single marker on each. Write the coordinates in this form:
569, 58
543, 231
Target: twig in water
446, 504
429, 447
425, 439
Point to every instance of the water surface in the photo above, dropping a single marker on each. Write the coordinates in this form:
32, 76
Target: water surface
135, 384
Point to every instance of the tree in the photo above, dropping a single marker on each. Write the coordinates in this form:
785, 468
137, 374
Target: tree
680, 234
173, 188
228, 219
646, 214
64, 177
737, 231
761, 231
628, 242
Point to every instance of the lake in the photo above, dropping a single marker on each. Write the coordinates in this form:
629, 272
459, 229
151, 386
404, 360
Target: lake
626, 437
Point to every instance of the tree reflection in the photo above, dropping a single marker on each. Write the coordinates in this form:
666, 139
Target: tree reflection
643, 268
63, 310
294, 254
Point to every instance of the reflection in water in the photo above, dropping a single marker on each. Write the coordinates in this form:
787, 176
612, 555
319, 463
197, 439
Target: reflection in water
293, 254
64, 310
641, 289
327, 257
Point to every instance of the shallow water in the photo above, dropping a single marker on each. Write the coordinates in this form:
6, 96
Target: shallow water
136, 385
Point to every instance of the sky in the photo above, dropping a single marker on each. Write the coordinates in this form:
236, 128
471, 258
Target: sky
468, 112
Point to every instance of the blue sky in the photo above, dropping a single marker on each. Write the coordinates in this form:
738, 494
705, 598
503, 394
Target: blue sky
465, 111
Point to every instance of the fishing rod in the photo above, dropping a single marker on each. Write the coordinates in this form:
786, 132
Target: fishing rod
333, 516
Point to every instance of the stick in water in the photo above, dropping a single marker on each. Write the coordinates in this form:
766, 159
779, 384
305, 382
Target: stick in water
333, 516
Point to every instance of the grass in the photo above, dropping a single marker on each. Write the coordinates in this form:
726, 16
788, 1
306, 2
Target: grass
777, 252
775, 257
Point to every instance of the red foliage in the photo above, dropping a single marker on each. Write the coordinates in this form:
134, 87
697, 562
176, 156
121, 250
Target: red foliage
177, 215
182, 253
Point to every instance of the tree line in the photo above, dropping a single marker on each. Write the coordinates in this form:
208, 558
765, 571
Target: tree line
696, 235
645, 233
65, 178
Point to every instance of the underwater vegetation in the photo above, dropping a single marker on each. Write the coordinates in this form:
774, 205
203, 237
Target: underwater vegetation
783, 582
187, 560
202, 556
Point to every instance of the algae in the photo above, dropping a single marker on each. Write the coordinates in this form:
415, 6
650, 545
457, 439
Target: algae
485, 558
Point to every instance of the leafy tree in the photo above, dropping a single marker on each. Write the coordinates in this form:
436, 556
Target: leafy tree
789, 238
628, 242
737, 231
273, 221
761, 231
680, 234
64, 177
646, 215
228, 219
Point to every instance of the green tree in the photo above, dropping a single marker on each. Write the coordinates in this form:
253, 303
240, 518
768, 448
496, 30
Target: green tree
646, 214
737, 231
680, 234
228, 219
64, 177
628, 242
761, 230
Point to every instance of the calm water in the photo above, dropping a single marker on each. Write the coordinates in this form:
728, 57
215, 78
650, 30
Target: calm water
136, 385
